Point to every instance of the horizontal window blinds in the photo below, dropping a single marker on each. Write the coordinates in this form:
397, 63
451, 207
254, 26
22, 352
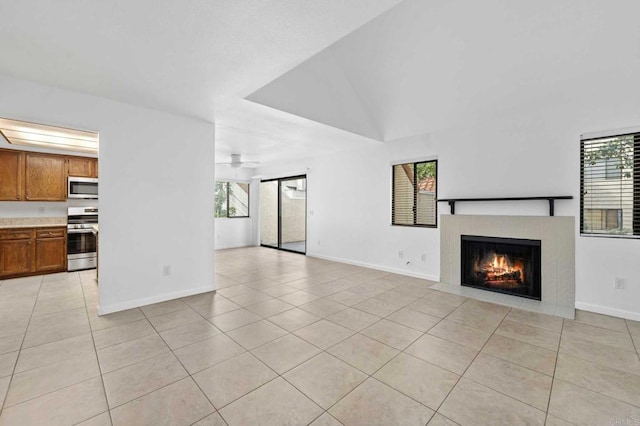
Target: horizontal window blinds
414, 194
610, 185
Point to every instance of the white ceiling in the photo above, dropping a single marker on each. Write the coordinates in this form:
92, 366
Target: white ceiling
424, 66
322, 75
198, 58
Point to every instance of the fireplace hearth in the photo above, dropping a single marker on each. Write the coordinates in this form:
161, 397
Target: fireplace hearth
504, 265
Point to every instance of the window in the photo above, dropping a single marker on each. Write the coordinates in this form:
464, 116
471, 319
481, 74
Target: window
231, 199
414, 192
610, 185
603, 219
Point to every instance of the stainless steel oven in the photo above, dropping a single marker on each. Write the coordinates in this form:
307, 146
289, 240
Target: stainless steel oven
81, 187
81, 241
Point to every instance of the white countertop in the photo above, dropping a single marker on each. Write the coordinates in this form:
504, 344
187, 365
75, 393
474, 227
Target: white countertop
32, 222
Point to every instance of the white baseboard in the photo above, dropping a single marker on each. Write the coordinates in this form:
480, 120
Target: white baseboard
109, 309
232, 246
376, 267
620, 313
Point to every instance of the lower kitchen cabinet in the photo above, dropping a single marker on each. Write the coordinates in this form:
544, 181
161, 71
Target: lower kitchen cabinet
51, 250
32, 251
16, 257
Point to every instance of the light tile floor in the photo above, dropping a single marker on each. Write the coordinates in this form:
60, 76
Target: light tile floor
289, 339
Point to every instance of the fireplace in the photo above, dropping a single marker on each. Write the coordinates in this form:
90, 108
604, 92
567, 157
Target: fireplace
504, 265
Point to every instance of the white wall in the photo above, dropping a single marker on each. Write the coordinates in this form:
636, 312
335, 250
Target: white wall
237, 231
503, 109
156, 199
349, 209
531, 151
536, 151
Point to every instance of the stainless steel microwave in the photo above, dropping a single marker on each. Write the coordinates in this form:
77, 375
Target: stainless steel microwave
81, 187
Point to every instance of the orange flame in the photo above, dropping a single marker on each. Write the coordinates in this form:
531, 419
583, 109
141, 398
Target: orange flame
499, 266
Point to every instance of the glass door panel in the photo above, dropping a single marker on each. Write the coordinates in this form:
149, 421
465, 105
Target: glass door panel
293, 214
269, 213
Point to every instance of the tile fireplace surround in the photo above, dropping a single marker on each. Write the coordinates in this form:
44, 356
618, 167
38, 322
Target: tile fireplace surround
557, 236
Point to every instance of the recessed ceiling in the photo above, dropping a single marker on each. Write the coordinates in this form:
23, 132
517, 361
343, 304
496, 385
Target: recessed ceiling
287, 79
426, 66
197, 58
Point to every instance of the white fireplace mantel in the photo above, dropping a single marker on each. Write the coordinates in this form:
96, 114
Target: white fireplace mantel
557, 236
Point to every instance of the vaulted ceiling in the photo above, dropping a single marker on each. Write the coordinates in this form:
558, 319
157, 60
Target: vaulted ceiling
429, 65
284, 79
198, 58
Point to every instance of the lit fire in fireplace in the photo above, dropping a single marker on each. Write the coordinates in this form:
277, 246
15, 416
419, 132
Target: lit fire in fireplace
498, 270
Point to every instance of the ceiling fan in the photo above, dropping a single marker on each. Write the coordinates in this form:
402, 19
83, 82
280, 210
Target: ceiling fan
236, 162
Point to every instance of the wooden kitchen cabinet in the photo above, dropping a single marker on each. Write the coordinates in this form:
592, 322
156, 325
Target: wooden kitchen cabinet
82, 167
16, 252
11, 175
32, 251
45, 177
51, 250
34, 176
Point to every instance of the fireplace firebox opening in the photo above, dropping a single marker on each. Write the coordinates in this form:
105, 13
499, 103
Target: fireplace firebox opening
503, 265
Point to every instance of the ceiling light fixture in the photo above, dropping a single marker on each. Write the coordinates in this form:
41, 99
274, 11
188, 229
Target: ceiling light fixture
41, 135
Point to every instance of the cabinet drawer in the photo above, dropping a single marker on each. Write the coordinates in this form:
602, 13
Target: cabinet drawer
16, 234
49, 233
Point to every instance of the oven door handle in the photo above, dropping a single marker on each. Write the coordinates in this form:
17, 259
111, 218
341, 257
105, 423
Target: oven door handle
79, 231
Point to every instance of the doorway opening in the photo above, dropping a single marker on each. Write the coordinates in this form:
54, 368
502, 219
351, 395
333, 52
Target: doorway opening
283, 213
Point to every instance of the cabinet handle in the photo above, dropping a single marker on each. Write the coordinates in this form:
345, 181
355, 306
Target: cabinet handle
29, 243
17, 197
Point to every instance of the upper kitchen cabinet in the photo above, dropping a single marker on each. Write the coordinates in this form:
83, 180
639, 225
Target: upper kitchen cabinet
11, 175
46, 177
36, 176
82, 167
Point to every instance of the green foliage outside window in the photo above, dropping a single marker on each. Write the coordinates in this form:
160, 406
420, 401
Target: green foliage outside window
231, 199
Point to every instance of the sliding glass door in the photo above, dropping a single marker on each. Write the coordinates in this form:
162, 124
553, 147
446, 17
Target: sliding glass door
269, 213
293, 214
283, 213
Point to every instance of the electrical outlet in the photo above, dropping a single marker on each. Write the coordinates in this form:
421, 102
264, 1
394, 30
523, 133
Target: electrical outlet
401, 254
618, 283
166, 270
423, 257
318, 242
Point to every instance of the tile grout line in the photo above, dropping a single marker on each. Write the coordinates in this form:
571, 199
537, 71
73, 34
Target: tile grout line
472, 361
64, 387
355, 332
189, 375
633, 342
370, 376
555, 367
52, 391
595, 363
95, 351
281, 375
35, 301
